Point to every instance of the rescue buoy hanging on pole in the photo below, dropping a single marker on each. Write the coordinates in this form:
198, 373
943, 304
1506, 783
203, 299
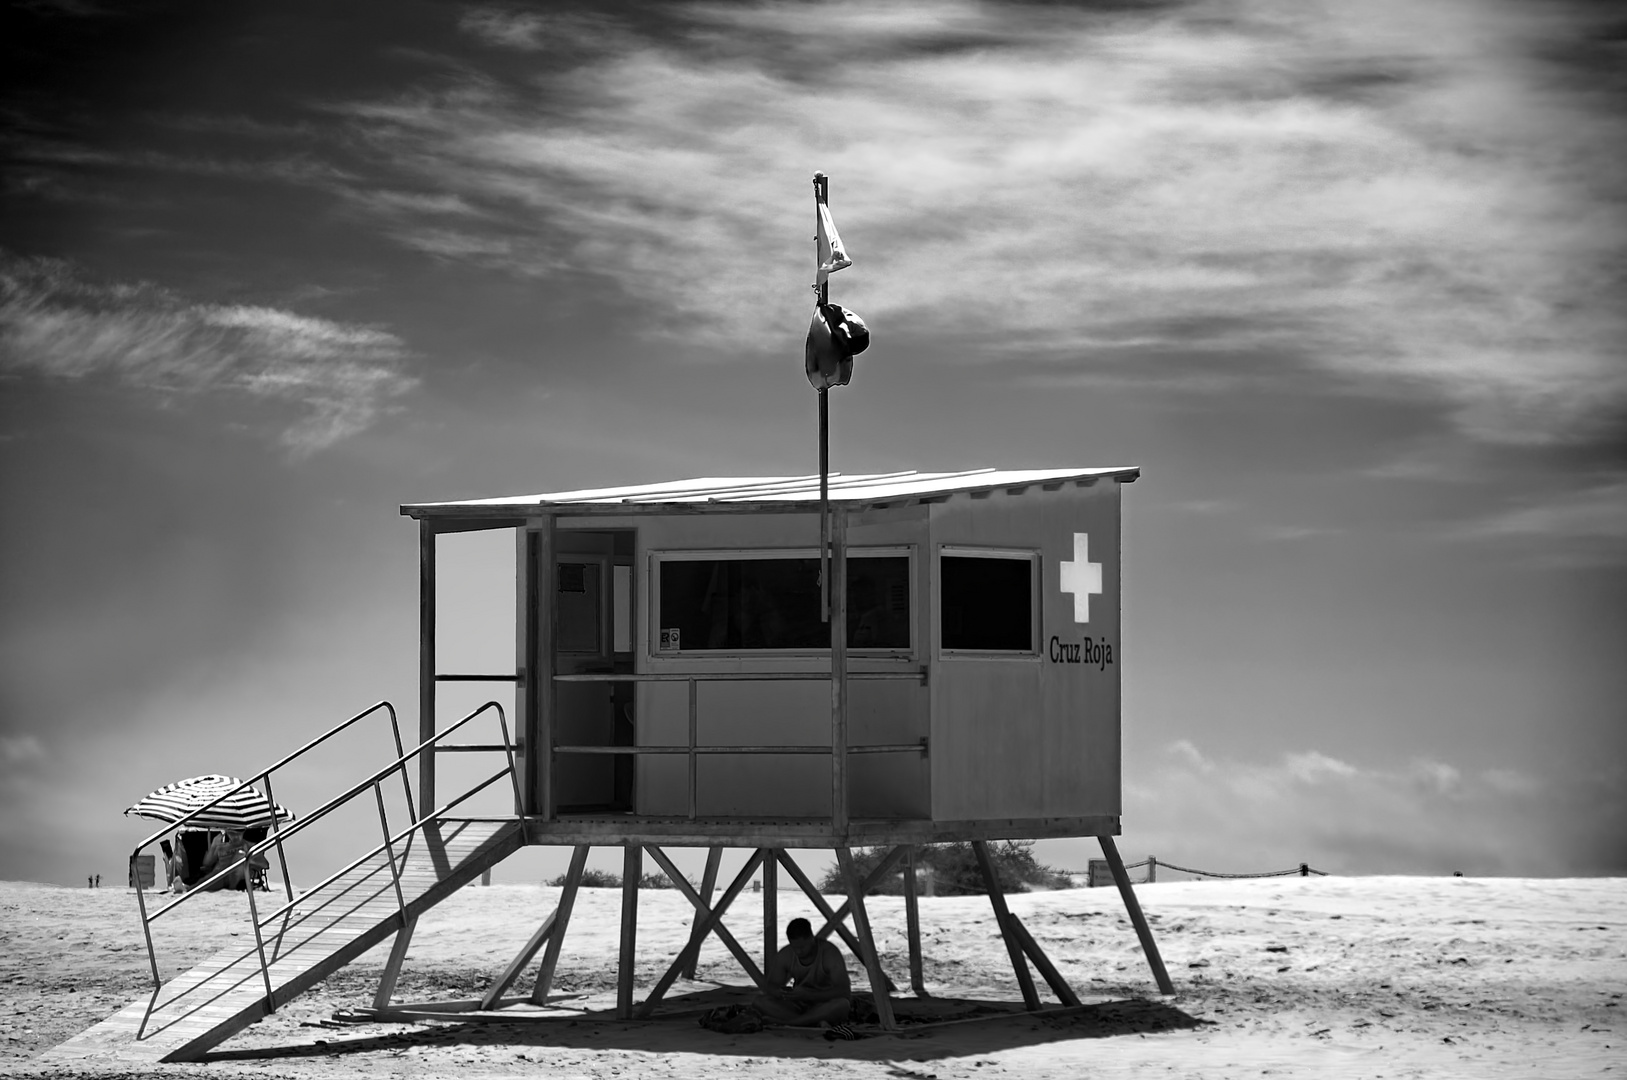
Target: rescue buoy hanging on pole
835, 336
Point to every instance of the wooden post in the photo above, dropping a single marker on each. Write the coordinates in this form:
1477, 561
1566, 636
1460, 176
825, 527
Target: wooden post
838, 677
912, 919
771, 912
1002, 916
542, 692
714, 859
632, 868
562, 919
392, 966
824, 503
426, 665
861, 925
1121, 877
527, 580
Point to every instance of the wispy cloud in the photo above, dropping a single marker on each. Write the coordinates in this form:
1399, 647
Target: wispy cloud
1425, 815
20, 750
1584, 526
1417, 196
56, 322
512, 27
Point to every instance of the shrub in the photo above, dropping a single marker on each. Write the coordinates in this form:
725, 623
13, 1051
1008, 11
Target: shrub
603, 879
954, 870
593, 879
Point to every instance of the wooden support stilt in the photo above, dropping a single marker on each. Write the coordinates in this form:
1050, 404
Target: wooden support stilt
562, 919
1121, 877
1002, 916
912, 920
712, 923
714, 859
1053, 978
632, 868
520, 961
392, 966
771, 913
426, 665
833, 921
861, 925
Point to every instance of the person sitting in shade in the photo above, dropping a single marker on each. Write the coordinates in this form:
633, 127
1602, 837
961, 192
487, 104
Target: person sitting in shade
225, 850
820, 991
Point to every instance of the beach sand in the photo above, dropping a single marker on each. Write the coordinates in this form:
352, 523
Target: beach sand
1284, 977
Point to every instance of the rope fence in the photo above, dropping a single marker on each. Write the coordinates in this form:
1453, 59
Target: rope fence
1099, 870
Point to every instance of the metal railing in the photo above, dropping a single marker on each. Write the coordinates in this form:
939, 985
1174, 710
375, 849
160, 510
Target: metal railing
387, 847
694, 750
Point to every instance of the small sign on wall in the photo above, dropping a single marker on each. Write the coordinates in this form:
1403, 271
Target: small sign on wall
669, 639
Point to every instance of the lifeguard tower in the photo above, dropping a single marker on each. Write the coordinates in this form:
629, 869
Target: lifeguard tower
680, 685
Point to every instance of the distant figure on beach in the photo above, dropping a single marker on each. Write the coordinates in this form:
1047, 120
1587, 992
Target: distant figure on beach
820, 991
98, 881
90, 882
174, 865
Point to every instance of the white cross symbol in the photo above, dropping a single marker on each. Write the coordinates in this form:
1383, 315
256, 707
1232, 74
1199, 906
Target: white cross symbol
1081, 577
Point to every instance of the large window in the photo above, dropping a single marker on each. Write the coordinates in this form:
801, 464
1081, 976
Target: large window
751, 603
986, 601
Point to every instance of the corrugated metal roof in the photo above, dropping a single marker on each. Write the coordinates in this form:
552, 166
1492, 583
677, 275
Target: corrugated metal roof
844, 488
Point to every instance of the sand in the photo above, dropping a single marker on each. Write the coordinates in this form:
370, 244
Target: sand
1359, 977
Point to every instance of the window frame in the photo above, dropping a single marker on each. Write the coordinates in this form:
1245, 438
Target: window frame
652, 641
1036, 576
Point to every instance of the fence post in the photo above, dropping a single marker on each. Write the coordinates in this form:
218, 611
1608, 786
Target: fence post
1152, 869
1304, 870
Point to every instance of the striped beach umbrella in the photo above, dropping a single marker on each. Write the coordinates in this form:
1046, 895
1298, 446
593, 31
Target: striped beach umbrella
243, 809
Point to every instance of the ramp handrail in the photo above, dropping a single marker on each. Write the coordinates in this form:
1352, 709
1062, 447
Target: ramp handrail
265, 774
373, 782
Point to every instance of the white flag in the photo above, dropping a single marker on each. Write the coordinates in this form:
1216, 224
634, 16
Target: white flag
832, 255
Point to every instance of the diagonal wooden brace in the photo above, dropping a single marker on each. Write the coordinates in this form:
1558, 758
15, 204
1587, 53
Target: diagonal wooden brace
833, 919
1059, 986
521, 959
562, 919
392, 967
714, 858
713, 923
883, 868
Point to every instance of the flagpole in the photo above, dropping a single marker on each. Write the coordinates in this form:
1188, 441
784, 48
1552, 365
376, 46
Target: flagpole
821, 184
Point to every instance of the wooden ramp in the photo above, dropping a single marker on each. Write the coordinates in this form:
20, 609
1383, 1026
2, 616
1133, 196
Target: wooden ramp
326, 929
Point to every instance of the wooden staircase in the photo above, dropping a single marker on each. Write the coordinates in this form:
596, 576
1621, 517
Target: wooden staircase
320, 933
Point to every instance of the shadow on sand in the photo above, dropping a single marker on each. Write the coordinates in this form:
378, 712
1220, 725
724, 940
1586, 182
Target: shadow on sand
930, 1029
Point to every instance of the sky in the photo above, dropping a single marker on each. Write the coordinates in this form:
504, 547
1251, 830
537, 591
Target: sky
1343, 280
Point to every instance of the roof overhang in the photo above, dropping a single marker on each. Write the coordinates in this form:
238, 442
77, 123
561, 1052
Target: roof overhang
762, 494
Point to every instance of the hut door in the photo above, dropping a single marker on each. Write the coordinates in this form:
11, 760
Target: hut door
593, 609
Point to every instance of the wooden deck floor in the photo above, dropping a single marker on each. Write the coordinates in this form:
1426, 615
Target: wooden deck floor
322, 932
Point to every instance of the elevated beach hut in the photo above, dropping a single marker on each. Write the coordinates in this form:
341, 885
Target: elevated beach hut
679, 682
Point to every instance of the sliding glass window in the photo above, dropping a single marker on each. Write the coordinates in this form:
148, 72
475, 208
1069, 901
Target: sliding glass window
756, 602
